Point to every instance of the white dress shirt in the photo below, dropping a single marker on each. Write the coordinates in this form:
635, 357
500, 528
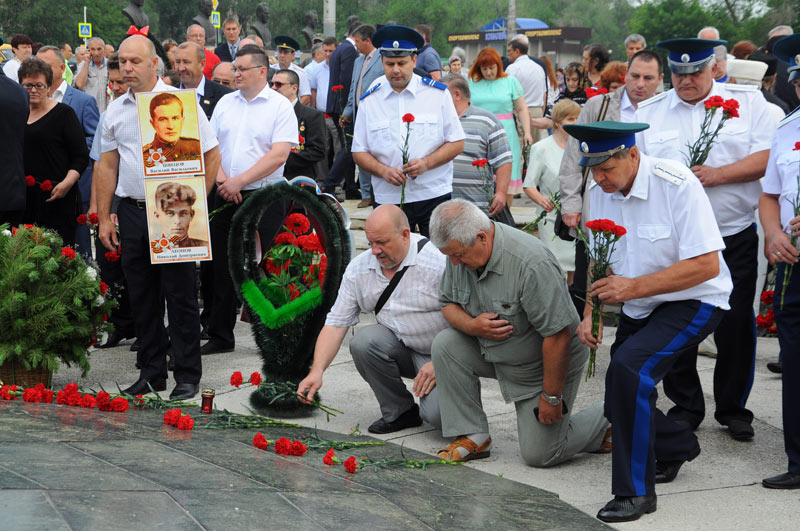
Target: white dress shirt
58, 95
675, 124
121, 133
319, 80
380, 131
784, 167
532, 78
10, 69
305, 86
200, 90
247, 130
666, 223
627, 112
412, 312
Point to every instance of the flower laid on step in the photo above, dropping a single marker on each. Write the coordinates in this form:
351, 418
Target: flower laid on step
330, 458
255, 379
350, 464
237, 379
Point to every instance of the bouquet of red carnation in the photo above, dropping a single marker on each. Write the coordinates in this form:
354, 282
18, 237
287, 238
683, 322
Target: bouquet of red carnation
698, 152
408, 118
605, 235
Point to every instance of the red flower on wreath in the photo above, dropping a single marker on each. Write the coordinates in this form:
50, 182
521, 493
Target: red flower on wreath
103, 288
82, 219
350, 464
481, 163
69, 253
294, 292
261, 442
297, 223
283, 446
310, 243
285, 238
46, 186
408, 118
237, 379
185, 423
30, 181
255, 379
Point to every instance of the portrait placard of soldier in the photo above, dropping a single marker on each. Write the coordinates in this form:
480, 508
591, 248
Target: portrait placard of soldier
169, 133
177, 218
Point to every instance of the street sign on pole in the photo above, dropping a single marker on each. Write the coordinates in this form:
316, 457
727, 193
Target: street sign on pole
215, 19
84, 30
215, 4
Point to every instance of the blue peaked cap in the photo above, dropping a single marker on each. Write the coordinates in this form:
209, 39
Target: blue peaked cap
687, 56
598, 141
788, 50
398, 41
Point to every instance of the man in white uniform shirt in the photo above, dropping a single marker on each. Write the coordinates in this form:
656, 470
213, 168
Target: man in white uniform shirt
533, 79
730, 178
256, 128
149, 284
286, 48
436, 134
408, 319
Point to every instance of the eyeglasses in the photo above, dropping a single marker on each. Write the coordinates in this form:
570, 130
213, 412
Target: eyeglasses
278, 84
38, 86
244, 68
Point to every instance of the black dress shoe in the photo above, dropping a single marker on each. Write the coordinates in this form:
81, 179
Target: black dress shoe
135, 346
215, 348
628, 508
740, 430
184, 391
667, 471
141, 388
204, 335
783, 481
113, 340
409, 419
775, 366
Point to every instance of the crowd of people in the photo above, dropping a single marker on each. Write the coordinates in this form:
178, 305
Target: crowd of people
440, 152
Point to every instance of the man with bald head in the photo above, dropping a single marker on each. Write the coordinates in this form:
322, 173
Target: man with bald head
408, 319
196, 33
223, 74
149, 284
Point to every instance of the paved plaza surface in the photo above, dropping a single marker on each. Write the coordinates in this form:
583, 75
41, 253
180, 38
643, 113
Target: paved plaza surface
63, 468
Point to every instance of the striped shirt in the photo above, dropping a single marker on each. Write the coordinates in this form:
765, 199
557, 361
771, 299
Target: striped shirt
412, 312
485, 139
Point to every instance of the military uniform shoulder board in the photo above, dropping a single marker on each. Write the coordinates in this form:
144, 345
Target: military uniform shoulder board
741, 88
431, 83
790, 117
673, 174
370, 91
650, 101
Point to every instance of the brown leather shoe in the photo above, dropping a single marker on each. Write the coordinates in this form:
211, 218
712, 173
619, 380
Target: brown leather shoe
364, 203
474, 451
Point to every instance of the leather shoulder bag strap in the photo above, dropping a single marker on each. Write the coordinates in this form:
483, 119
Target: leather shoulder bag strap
600, 118
387, 292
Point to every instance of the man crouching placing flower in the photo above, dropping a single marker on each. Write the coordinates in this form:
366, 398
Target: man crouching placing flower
505, 297
669, 274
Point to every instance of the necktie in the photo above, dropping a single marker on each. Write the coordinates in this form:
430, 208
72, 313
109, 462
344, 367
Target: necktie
361, 77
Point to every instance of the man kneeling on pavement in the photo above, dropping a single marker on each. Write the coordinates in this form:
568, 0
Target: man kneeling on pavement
408, 319
512, 319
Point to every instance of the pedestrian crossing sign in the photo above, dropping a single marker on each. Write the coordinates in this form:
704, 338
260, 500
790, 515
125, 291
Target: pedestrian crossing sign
215, 19
84, 30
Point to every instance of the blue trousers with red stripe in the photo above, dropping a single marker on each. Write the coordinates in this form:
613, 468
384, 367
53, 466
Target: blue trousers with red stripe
787, 318
643, 353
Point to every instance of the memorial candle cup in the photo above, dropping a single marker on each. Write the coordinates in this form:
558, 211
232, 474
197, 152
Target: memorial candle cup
208, 401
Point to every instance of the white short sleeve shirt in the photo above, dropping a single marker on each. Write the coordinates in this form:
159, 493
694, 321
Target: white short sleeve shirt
783, 169
380, 131
247, 130
121, 133
675, 124
305, 87
532, 78
319, 80
665, 223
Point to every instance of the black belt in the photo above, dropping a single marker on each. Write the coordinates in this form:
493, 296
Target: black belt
141, 204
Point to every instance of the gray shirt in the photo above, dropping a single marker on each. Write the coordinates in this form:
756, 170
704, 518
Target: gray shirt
96, 82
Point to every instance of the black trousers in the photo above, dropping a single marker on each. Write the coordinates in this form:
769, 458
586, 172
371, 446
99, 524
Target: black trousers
736, 346
419, 213
645, 350
788, 320
577, 291
111, 273
207, 273
149, 285
343, 168
223, 315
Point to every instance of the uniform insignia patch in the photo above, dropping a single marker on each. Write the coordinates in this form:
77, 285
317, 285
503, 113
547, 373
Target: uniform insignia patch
370, 91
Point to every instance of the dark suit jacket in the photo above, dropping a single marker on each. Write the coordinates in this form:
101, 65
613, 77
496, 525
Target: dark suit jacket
783, 89
14, 110
342, 60
85, 106
213, 92
312, 127
223, 52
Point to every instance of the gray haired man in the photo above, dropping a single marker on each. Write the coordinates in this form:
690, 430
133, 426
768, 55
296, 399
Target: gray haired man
505, 298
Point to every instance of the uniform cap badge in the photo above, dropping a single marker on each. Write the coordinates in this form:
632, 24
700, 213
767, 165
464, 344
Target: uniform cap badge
797, 59
685, 58
584, 147
396, 44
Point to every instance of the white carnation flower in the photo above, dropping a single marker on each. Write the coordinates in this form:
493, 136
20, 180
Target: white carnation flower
99, 300
6, 232
91, 273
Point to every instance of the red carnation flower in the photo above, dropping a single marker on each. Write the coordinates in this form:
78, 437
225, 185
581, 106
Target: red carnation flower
796, 146
259, 441
112, 256
28, 226
481, 163
82, 219
103, 397
139, 400
120, 405
283, 446
297, 448
351, 465
93, 219
68, 252
237, 379
172, 416
31, 395
47, 396
71, 388
272, 267
185, 423
327, 115
310, 243
330, 455
767, 297
88, 401
408, 118
46, 186
74, 399
103, 288
30, 181
287, 238
619, 230
255, 379
337, 88
61, 397
294, 292
297, 223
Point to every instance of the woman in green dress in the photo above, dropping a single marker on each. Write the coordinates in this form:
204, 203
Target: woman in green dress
497, 92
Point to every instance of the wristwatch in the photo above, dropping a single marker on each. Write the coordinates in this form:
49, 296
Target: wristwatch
552, 400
